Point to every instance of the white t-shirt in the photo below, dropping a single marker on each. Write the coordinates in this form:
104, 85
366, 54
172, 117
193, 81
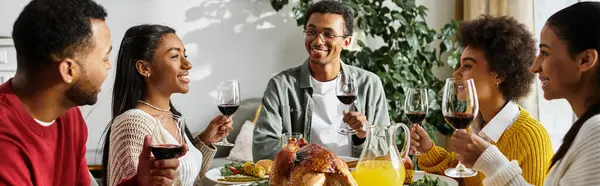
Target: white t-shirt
327, 119
45, 124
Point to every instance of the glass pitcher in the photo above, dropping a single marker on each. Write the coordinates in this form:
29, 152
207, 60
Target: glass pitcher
381, 163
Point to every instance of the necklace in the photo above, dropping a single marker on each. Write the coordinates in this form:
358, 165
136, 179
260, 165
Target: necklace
154, 107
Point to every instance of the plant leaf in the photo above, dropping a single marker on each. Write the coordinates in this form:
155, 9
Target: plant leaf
406, 55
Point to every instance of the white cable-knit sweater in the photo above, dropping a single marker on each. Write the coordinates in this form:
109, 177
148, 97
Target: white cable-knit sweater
580, 165
126, 141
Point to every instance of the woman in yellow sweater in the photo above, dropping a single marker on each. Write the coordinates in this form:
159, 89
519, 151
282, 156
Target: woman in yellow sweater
498, 52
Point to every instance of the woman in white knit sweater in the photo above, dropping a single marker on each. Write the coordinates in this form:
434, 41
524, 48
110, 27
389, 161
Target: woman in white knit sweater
151, 66
568, 67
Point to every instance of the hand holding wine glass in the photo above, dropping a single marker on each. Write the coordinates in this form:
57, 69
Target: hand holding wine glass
459, 107
219, 128
469, 146
346, 92
228, 101
420, 140
164, 171
170, 150
416, 106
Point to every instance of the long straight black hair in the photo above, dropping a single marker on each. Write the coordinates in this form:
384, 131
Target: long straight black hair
139, 43
579, 27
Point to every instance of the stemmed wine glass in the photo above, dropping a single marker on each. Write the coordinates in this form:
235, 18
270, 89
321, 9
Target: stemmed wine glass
346, 91
228, 101
416, 105
459, 107
170, 150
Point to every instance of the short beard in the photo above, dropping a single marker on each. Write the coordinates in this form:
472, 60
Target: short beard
82, 92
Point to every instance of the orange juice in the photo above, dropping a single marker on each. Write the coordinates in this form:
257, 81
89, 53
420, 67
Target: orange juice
379, 173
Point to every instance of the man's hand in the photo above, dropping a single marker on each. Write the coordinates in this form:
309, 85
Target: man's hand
218, 128
152, 172
468, 147
356, 121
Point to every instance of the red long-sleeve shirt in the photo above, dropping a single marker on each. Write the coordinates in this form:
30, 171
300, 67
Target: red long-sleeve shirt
32, 154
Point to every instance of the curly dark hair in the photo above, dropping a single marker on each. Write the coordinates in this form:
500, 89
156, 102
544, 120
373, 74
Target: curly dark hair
335, 7
509, 49
58, 28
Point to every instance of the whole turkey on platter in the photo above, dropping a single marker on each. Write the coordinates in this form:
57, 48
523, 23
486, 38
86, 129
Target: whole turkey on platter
302, 164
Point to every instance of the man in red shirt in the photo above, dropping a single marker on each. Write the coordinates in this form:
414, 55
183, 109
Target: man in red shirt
63, 49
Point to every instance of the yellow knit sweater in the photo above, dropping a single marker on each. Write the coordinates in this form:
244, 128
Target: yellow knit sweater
526, 141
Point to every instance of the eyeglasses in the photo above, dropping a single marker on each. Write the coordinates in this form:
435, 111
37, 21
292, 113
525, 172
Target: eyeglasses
327, 36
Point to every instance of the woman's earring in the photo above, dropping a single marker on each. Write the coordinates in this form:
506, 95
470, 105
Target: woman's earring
148, 75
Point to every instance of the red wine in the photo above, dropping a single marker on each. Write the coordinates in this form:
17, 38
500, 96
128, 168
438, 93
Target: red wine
228, 110
459, 120
347, 99
166, 151
416, 117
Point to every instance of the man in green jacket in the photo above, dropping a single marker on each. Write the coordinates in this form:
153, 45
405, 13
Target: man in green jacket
303, 99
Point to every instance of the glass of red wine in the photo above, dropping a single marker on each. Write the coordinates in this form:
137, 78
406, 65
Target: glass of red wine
346, 92
416, 106
173, 147
228, 101
459, 107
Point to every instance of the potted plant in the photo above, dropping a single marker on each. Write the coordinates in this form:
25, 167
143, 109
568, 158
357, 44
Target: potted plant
407, 55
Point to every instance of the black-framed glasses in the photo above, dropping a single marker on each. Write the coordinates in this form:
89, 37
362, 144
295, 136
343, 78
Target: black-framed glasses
327, 35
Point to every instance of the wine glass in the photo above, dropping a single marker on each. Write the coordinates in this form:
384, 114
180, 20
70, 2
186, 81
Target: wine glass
416, 106
459, 107
285, 137
172, 148
346, 92
228, 102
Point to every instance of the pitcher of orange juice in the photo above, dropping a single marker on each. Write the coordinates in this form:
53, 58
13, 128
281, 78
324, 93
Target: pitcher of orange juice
381, 163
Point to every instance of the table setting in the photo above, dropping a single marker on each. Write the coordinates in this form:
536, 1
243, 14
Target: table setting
380, 162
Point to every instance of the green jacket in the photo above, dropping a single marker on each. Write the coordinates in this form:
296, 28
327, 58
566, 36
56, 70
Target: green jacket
288, 105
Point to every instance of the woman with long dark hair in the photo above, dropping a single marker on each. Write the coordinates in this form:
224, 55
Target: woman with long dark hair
151, 66
568, 68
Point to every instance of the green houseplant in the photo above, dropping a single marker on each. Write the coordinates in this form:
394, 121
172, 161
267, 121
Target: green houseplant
407, 56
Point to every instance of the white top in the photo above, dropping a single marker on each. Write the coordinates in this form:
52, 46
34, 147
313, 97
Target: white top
327, 119
498, 124
127, 138
579, 166
190, 163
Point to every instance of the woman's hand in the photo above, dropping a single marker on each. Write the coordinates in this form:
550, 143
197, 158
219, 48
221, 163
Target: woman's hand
218, 128
151, 171
419, 139
408, 165
468, 147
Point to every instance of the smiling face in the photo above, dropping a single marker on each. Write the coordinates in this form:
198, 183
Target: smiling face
325, 37
473, 65
557, 70
170, 66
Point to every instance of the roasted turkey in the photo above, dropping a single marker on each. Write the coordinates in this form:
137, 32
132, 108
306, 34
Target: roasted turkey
302, 164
